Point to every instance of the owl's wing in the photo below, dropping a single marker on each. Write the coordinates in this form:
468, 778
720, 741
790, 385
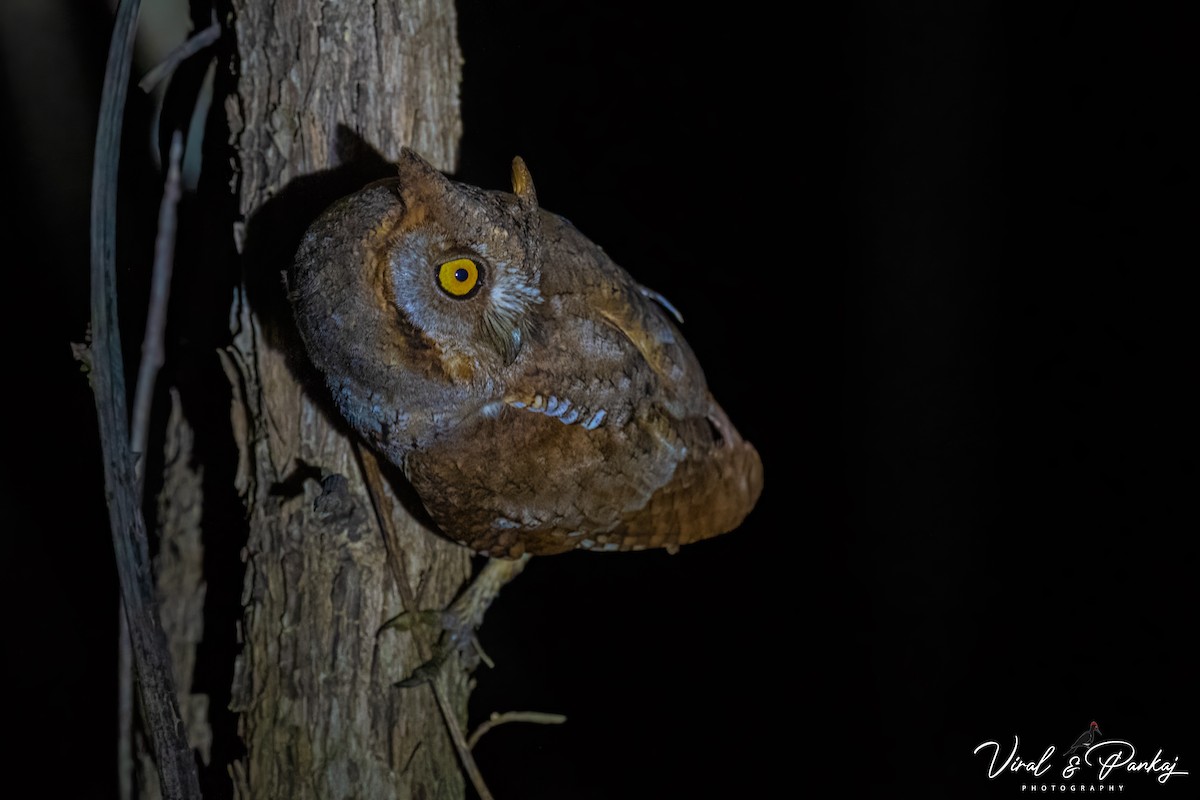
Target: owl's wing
641, 429
708, 477
709, 492
605, 437
610, 325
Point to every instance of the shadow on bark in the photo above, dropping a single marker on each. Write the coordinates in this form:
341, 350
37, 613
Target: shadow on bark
273, 235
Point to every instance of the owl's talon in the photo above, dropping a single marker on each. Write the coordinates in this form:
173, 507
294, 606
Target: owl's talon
451, 638
479, 651
407, 620
459, 621
427, 671
456, 635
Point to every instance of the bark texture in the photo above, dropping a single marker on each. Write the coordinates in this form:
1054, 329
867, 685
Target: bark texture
319, 716
179, 580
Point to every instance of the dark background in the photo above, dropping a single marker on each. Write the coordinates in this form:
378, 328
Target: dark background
938, 262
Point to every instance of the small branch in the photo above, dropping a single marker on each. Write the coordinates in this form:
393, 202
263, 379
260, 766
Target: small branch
186, 50
124, 707
382, 506
373, 478
460, 742
537, 717
176, 765
156, 317
152, 359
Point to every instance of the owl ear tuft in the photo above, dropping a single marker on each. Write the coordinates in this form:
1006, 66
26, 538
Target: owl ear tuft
411, 159
412, 168
522, 183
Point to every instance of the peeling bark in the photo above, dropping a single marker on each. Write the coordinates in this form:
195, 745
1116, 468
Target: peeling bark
179, 572
179, 579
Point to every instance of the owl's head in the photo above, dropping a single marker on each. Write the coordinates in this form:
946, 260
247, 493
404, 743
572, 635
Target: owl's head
462, 264
418, 280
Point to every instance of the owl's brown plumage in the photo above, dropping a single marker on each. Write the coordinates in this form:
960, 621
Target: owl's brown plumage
537, 398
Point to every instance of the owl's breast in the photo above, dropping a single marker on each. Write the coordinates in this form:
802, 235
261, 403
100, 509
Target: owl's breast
540, 478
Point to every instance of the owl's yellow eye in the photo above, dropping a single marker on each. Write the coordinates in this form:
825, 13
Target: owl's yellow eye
459, 278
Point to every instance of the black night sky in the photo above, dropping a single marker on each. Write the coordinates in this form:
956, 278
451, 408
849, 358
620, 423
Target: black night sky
938, 261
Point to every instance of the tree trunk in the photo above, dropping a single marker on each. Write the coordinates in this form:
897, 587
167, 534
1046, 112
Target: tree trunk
319, 716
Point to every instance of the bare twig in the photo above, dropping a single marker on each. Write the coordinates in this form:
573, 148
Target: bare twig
381, 504
539, 717
460, 741
177, 769
177, 56
124, 707
373, 479
156, 317
152, 359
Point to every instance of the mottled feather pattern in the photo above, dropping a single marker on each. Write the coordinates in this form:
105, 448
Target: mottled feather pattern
536, 396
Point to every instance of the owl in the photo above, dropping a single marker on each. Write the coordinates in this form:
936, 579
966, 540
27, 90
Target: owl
537, 398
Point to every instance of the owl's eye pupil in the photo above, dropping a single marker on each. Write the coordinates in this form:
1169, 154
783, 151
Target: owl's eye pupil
459, 277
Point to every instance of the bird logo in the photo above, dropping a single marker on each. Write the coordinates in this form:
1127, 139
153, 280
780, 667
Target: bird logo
1086, 738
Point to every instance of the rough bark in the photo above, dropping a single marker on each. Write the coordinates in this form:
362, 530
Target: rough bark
179, 580
319, 715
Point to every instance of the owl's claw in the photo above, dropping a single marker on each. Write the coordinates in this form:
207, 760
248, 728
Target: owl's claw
445, 646
426, 672
454, 634
407, 620
459, 622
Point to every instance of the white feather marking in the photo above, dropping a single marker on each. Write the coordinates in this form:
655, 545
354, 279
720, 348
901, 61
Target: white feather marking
561, 409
